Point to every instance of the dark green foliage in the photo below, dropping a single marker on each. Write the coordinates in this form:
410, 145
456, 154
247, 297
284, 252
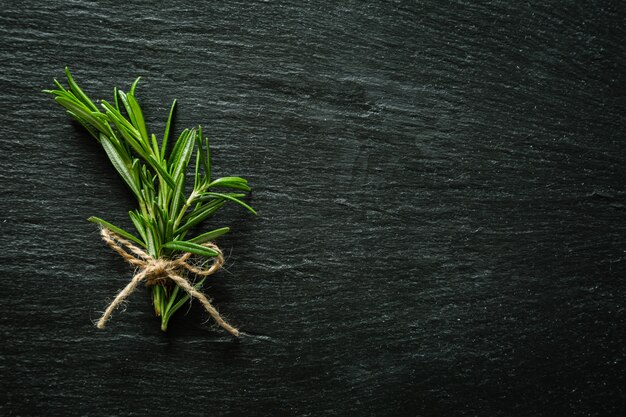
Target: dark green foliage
156, 178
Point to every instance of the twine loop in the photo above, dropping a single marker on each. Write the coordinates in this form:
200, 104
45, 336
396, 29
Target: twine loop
158, 271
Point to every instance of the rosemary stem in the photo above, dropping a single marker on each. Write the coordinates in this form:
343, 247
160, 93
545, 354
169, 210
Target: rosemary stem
188, 203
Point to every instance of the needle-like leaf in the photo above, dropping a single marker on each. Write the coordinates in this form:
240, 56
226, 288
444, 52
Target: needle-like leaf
190, 247
210, 195
115, 229
120, 165
208, 236
161, 171
231, 182
140, 124
166, 134
184, 155
200, 215
78, 92
81, 111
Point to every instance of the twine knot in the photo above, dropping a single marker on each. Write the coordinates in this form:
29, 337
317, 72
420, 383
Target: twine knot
154, 271
158, 270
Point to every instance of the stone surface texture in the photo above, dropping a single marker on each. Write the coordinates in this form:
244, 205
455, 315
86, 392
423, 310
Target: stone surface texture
441, 194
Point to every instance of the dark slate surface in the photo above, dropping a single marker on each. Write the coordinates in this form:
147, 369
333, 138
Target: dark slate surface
441, 196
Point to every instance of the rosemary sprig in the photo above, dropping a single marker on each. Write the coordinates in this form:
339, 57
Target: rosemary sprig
157, 179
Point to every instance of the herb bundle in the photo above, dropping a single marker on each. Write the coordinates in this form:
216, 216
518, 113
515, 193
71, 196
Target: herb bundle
156, 175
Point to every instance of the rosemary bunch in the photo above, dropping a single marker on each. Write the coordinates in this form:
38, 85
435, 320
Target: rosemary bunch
156, 175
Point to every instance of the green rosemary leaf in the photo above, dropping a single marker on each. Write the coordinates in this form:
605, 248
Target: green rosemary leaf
161, 217
161, 171
207, 161
208, 236
127, 107
115, 116
135, 168
111, 111
201, 215
61, 93
171, 309
170, 230
58, 84
190, 247
80, 111
138, 222
93, 131
116, 229
140, 124
117, 104
235, 195
131, 137
175, 154
155, 146
167, 130
177, 196
157, 295
228, 197
206, 165
128, 131
231, 182
78, 92
120, 165
134, 86
68, 94
151, 241
173, 297
197, 181
148, 204
185, 154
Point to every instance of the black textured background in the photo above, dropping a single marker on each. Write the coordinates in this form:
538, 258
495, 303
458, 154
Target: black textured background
442, 202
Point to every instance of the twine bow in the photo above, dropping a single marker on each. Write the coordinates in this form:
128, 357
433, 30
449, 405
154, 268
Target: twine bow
155, 271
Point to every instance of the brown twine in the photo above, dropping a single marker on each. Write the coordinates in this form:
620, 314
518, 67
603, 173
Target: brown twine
156, 271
